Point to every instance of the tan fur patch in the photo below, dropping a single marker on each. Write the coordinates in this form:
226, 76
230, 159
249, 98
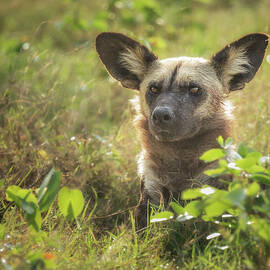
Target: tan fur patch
237, 62
133, 60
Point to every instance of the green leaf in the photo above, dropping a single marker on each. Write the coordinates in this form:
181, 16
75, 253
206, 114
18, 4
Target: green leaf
261, 178
48, 190
255, 155
215, 172
244, 150
228, 143
253, 189
26, 201
35, 220
216, 208
177, 208
220, 141
70, 202
162, 216
194, 208
14, 193
213, 154
262, 228
222, 163
257, 169
236, 196
246, 163
190, 194
28, 207
23, 198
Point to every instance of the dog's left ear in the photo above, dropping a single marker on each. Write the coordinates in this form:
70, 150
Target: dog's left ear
239, 61
124, 58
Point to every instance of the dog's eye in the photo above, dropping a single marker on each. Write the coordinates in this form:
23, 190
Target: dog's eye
154, 89
195, 91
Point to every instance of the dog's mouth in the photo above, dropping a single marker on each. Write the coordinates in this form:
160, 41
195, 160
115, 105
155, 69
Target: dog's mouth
165, 136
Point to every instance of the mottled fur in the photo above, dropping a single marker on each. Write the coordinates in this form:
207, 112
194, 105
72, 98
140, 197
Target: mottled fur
180, 109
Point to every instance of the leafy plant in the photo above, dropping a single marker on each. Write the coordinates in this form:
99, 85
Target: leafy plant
243, 207
70, 201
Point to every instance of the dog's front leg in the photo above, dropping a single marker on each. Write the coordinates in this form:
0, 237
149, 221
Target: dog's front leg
142, 211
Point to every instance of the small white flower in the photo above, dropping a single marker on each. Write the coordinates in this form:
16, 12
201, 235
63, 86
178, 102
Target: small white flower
184, 217
227, 216
160, 219
232, 165
26, 46
207, 190
222, 247
213, 235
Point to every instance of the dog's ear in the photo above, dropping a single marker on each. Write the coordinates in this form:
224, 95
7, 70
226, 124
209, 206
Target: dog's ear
124, 58
239, 61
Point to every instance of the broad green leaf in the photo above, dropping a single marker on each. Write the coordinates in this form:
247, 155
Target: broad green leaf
215, 208
70, 202
246, 163
262, 228
213, 154
234, 185
15, 192
28, 207
190, 194
261, 178
35, 220
215, 172
25, 200
177, 208
253, 189
256, 169
236, 196
49, 189
255, 155
244, 150
194, 208
162, 216
222, 163
220, 141
228, 143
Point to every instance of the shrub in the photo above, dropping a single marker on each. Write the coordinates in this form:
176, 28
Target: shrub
242, 208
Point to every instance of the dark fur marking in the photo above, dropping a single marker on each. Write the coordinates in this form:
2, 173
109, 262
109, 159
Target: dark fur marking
172, 79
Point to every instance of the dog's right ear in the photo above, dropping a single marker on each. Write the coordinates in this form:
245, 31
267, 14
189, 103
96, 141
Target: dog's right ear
124, 58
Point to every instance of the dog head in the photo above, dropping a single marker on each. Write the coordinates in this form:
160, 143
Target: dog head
179, 95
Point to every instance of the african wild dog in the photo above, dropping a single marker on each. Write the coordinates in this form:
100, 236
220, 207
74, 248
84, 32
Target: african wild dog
181, 108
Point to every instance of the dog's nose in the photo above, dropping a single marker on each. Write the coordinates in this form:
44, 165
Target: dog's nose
162, 115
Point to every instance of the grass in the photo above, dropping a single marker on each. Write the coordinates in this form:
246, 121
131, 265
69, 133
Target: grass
59, 108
